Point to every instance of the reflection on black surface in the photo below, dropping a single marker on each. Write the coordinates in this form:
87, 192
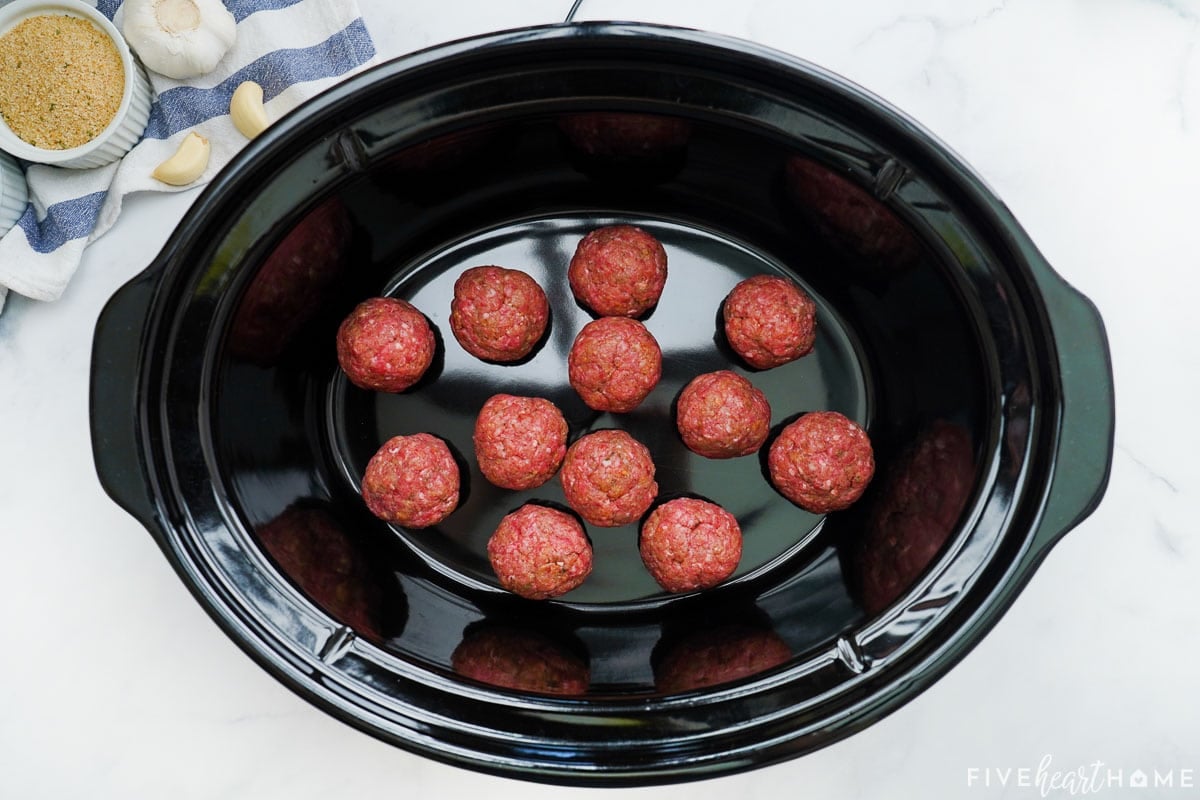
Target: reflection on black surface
626, 148
625, 136
900, 353
710, 655
923, 494
849, 219
313, 549
289, 288
521, 658
438, 154
438, 170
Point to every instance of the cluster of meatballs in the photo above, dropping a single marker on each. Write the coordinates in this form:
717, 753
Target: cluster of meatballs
822, 461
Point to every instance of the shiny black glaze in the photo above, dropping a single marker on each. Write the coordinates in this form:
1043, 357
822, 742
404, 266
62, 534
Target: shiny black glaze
453, 159
305, 399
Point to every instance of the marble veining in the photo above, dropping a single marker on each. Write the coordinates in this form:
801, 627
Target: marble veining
1123, 450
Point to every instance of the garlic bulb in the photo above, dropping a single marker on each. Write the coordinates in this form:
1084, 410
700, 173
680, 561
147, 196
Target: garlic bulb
179, 38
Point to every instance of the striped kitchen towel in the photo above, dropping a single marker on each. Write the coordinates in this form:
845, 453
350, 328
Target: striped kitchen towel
293, 48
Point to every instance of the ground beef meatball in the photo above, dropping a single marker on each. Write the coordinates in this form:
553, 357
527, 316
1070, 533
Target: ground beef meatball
608, 478
722, 415
290, 287
539, 552
923, 495
385, 345
721, 655
689, 544
614, 364
618, 271
822, 462
498, 314
849, 217
519, 441
769, 321
412, 481
513, 658
625, 136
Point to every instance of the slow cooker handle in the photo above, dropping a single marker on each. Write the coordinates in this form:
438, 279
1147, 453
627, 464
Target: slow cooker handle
116, 443
1085, 444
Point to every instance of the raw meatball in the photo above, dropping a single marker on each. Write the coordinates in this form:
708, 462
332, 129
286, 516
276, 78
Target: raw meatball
769, 321
625, 136
614, 363
850, 218
498, 314
412, 481
721, 655
608, 478
289, 288
385, 345
519, 441
923, 496
539, 552
689, 544
524, 660
618, 271
822, 462
722, 415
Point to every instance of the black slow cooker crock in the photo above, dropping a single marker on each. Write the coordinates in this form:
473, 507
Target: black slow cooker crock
221, 421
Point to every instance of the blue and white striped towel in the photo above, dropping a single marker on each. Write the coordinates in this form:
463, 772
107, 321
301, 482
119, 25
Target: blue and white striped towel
294, 48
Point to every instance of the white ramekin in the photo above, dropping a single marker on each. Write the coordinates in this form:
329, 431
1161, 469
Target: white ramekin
14, 195
130, 120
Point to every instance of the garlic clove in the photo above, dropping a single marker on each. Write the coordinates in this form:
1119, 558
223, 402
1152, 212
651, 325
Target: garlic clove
179, 38
247, 111
188, 163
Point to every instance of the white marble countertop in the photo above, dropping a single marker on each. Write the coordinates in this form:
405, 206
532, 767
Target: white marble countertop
1084, 118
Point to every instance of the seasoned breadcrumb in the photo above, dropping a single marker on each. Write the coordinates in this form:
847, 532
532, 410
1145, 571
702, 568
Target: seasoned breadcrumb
61, 81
